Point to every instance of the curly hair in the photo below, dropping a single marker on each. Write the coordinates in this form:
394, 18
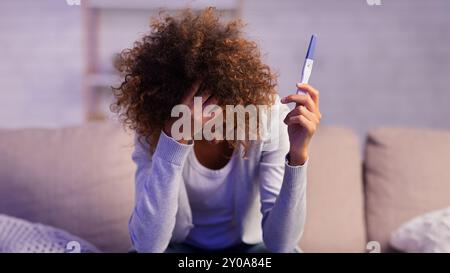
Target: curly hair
177, 52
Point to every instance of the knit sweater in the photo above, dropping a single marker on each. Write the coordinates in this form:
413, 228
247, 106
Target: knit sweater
269, 195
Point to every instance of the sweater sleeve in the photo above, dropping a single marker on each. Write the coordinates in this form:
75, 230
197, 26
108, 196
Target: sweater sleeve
158, 179
283, 196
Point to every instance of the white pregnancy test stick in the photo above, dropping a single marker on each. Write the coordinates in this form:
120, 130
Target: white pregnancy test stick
309, 61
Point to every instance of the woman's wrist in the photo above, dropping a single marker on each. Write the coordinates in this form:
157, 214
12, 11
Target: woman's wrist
167, 130
297, 158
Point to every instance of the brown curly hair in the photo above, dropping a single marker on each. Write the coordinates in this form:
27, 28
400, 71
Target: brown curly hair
178, 51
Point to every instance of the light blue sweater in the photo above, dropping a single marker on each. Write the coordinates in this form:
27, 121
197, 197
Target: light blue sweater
269, 196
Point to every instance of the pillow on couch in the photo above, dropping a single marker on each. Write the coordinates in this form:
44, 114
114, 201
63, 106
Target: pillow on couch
406, 174
79, 179
20, 236
428, 233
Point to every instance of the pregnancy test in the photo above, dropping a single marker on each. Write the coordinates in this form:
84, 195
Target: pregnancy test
309, 61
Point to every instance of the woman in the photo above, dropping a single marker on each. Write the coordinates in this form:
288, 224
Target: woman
194, 194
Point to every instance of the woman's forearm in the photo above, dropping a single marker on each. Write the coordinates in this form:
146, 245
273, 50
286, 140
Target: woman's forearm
283, 224
157, 191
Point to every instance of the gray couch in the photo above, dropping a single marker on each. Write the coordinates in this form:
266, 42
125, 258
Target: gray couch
81, 179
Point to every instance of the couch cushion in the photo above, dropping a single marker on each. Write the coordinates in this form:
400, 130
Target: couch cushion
335, 203
407, 173
79, 179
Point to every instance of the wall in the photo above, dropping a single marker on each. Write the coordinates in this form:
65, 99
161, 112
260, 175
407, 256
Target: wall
41, 63
376, 65
385, 65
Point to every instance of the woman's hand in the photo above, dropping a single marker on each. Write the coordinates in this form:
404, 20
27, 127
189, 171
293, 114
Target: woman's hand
302, 122
188, 100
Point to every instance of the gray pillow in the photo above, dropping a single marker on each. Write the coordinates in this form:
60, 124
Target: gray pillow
428, 233
80, 179
20, 236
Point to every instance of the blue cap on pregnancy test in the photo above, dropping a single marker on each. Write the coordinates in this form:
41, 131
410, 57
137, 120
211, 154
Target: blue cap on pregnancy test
311, 47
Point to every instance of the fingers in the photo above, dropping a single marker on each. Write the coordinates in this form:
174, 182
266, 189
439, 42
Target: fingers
309, 115
188, 98
314, 93
302, 110
209, 99
310, 101
212, 100
302, 100
310, 126
197, 89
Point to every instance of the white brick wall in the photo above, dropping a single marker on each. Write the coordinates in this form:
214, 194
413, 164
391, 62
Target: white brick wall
376, 65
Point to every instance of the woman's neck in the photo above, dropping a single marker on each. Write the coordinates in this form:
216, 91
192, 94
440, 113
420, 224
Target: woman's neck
213, 155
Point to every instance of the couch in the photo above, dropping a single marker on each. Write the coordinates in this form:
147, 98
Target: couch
81, 179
